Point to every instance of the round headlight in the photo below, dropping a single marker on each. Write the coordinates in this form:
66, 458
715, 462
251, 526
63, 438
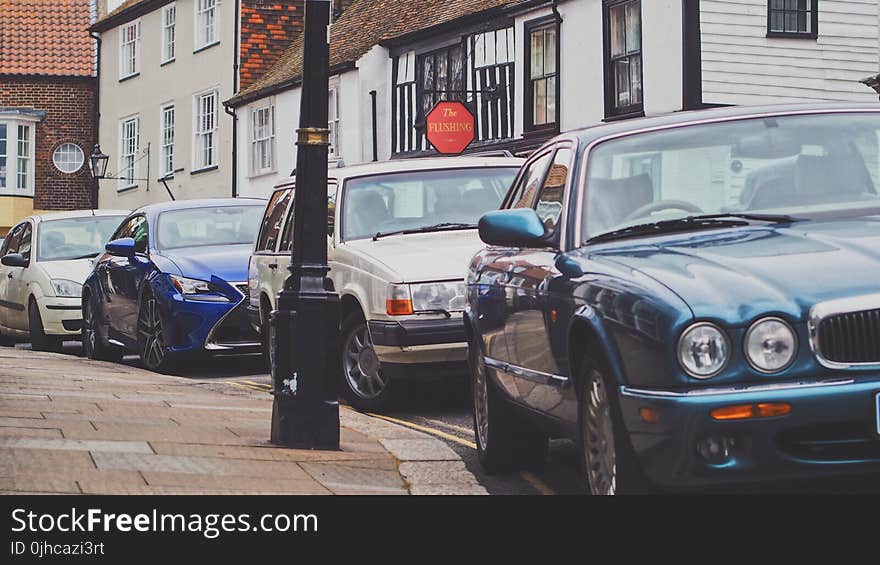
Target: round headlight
703, 351
771, 345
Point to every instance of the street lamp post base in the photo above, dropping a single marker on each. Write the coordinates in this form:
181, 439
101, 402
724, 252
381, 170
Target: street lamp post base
305, 425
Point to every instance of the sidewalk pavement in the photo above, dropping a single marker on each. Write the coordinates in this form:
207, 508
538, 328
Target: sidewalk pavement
73, 426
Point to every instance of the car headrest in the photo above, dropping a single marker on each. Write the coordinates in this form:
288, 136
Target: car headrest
615, 199
837, 174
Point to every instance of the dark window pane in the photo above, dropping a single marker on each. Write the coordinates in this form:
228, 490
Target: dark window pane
618, 24
537, 48
621, 81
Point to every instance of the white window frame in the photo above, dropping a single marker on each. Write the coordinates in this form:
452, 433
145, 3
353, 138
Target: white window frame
124, 57
205, 12
169, 32
128, 153
204, 130
57, 152
334, 152
14, 159
167, 135
263, 142
24, 161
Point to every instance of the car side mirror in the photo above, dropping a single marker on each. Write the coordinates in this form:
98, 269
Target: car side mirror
521, 227
123, 247
15, 260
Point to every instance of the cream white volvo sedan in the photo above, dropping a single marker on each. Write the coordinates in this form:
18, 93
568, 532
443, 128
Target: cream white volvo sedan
43, 262
400, 234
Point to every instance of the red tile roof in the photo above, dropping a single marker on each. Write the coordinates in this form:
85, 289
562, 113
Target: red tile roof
46, 37
363, 24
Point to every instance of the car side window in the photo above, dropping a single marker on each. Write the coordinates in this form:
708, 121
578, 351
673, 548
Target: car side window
141, 235
24, 246
273, 220
10, 246
287, 238
552, 197
135, 228
526, 190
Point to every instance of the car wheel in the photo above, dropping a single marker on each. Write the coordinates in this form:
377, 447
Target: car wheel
504, 441
151, 337
608, 461
39, 340
364, 384
267, 336
94, 346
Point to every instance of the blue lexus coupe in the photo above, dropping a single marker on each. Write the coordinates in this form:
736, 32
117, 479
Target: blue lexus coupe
694, 299
173, 283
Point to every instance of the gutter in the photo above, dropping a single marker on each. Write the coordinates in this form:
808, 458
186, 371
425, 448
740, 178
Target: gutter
236, 60
97, 108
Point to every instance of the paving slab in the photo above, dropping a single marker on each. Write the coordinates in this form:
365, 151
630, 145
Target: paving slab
68, 426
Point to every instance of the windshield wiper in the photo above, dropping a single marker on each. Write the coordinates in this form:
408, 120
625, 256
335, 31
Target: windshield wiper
87, 256
693, 222
436, 227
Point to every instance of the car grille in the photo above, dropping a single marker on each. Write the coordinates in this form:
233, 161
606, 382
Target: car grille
235, 329
851, 338
242, 288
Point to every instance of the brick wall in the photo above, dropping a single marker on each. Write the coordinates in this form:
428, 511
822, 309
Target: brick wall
267, 28
69, 107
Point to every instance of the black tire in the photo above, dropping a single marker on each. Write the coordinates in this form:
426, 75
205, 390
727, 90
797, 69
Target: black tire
151, 327
505, 441
266, 336
598, 401
39, 340
93, 342
373, 392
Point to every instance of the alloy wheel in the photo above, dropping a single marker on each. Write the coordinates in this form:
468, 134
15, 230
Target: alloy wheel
90, 338
363, 372
481, 400
598, 437
151, 333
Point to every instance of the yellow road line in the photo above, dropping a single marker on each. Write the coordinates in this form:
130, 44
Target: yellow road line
261, 385
426, 429
537, 483
248, 387
461, 429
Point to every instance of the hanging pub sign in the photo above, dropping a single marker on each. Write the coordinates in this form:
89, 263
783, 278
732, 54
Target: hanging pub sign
450, 127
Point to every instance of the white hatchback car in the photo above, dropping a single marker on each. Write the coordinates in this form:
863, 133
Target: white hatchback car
400, 234
44, 261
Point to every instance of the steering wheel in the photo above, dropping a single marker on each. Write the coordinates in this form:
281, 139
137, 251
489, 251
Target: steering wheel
649, 209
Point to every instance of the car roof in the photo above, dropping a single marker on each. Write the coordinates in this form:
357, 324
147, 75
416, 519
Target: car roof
596, 132
410, 165
72, 214
199, 203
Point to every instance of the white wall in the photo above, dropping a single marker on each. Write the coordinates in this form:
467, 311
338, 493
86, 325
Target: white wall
355, 137
742, 66
156, 85
662, 56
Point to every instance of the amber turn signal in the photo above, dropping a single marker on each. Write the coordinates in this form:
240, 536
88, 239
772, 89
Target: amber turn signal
649, 415
751, 411
398, 307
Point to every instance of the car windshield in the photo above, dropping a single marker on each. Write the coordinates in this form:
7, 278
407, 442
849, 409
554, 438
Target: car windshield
421, 200
215, 225
74, 238
791, 165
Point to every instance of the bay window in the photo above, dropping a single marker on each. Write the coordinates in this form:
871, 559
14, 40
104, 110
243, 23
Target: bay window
17, 140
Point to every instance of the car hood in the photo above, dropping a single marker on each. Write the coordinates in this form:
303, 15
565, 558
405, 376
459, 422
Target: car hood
422, 257
76, 270
228, 262
736, 275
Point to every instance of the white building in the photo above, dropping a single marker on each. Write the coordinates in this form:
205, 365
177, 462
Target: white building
164, 69
529, 69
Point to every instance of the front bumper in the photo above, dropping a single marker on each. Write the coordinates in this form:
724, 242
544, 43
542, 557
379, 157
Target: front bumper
196, 326
419, 341
61, 316
832, 430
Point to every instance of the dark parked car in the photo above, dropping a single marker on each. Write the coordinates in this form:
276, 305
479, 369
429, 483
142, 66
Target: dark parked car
173, 282
694, 299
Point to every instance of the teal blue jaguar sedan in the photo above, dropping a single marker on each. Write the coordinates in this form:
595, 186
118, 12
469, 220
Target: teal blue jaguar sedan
693, 299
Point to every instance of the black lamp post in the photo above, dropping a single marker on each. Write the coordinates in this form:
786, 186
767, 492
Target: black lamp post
305, 413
